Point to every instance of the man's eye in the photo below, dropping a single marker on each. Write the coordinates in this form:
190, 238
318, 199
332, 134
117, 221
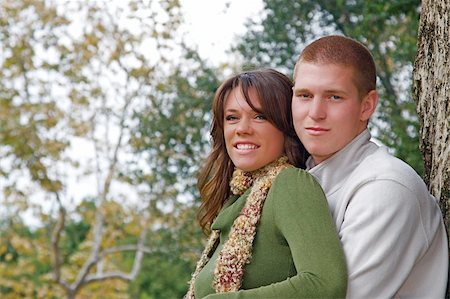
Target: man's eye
335, 98
303, 96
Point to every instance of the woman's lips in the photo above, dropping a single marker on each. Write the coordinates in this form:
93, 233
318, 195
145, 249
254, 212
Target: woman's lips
245, 146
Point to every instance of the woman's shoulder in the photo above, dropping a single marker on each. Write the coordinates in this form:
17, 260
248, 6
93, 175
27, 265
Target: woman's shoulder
295, 174
293, 179
296, 190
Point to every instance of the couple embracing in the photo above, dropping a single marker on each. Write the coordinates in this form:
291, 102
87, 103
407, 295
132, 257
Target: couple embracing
299, 203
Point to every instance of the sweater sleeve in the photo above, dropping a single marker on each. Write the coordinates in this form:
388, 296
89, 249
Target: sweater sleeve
383, 237
302, 217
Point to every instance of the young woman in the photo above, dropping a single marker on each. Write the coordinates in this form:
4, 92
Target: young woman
271, 233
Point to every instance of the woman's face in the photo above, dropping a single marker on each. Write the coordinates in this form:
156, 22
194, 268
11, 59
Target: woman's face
251, 140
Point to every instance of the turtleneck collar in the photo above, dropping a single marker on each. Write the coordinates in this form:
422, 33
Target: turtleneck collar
332, 172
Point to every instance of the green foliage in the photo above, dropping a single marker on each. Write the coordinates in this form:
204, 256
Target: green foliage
28, 115
387, 28
162, 276
173, 127
75, 234
24, 263
166, 272
71, 73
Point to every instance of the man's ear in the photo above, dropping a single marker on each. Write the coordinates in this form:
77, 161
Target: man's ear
368, 105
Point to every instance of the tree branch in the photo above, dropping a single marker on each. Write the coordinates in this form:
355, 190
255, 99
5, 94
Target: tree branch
125, 248
56, 237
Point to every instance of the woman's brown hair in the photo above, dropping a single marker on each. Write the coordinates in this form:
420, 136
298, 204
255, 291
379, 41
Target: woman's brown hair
274, 91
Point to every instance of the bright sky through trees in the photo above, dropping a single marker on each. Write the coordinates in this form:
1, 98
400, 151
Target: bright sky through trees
213, 25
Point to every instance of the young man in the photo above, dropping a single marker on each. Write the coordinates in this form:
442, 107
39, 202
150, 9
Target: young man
391, 228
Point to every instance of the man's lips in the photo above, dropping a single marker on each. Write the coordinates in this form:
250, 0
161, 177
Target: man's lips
316, 131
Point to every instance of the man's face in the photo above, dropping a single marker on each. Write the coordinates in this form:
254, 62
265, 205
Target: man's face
326, 108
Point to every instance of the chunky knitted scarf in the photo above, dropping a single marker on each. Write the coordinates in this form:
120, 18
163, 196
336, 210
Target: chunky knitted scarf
237, 250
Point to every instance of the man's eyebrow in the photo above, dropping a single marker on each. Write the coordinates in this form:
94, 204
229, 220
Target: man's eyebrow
335, 91
300, 89
325, 91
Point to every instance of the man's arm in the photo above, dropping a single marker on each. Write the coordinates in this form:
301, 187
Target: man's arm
383, 236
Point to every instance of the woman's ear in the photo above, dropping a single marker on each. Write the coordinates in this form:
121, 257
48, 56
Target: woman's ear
368, 105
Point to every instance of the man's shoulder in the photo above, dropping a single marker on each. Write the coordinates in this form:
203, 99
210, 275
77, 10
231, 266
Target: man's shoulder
388, 179
383, 180
381, 165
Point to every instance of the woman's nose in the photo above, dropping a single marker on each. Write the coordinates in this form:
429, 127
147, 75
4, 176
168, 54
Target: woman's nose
244, 126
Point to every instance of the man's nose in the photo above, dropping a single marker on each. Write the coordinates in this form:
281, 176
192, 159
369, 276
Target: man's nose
317, 109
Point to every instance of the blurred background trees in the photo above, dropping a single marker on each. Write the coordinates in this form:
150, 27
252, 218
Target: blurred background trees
97, 133
104, 119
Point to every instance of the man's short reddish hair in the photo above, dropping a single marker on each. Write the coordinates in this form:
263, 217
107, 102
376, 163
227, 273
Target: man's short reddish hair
341, 50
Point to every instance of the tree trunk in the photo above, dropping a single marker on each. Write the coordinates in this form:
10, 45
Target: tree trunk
432, 93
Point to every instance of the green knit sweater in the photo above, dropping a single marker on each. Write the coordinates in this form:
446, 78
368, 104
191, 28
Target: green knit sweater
296, 251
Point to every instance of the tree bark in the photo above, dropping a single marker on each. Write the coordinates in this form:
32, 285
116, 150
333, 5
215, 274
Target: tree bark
431, 90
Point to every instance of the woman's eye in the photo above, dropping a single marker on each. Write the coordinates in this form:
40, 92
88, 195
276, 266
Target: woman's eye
230, 117
261, 117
